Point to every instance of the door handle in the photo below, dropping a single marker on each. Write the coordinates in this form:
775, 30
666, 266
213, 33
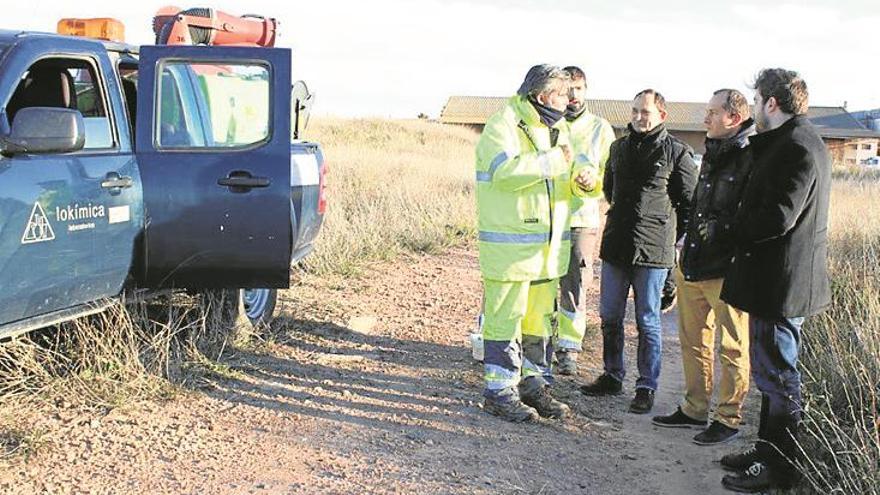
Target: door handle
115, 181
241, 180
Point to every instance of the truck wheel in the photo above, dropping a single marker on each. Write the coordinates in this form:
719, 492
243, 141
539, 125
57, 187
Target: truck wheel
259, 305
239, 311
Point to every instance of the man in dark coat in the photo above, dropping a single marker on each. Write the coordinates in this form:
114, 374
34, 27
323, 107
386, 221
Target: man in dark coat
649, 181
779, 274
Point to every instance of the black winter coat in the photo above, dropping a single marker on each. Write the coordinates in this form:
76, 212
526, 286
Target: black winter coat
779, 269
709, 245
649, 181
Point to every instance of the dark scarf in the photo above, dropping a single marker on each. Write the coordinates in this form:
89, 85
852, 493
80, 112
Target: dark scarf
548, 115
718, 147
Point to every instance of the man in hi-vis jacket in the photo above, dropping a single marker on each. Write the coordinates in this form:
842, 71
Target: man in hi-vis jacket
525, 180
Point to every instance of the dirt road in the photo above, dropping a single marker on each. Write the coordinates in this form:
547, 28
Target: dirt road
369, 387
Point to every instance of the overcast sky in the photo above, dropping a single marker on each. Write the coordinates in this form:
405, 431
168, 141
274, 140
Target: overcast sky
397, 58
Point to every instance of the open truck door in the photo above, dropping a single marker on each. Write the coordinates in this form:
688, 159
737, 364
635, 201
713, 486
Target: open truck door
213, 145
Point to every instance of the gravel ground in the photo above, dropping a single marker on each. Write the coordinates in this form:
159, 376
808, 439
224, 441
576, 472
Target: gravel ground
367, 386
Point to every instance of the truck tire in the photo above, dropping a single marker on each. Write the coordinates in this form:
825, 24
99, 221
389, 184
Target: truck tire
239, 311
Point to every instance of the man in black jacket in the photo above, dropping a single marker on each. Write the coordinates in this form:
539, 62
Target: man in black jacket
705, 258
649, 180
778, 274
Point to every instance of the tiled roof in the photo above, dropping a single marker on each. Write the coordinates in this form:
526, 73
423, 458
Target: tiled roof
832, 122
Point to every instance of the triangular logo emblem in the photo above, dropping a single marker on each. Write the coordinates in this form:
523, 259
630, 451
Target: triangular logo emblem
38, 228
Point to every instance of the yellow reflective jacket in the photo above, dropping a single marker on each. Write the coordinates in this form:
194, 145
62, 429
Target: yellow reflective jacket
591, 137
524, 190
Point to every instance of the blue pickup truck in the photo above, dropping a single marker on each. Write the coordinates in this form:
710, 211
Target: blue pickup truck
128, 170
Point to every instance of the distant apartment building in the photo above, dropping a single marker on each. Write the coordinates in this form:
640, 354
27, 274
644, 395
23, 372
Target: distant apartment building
846, 138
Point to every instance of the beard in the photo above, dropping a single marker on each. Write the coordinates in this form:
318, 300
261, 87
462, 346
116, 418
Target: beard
761, 121
572, 108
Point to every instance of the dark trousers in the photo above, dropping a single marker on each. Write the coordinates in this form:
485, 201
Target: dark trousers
774, 348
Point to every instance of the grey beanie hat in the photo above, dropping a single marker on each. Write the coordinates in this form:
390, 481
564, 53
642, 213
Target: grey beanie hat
537, 78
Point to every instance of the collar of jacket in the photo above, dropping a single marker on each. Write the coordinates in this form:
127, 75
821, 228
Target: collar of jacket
649, 138
528, 114
763, 139
718, 147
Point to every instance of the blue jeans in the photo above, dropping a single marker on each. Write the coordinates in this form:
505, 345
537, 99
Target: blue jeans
647, 284
774, 348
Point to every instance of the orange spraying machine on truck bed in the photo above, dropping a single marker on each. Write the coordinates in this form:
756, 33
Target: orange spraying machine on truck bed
204, 26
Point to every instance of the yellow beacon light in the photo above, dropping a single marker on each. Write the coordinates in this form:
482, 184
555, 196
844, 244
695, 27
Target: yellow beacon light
103, 28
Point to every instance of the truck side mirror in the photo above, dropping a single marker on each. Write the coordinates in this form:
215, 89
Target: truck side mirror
301, 105
45, 130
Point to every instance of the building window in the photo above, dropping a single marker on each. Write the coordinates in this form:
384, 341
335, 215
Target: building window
852, 146
867, 146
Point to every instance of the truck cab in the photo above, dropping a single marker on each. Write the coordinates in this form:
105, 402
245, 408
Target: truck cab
164, 167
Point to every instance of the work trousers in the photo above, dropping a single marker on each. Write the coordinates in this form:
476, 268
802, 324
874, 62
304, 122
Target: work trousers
573, 290
517, 327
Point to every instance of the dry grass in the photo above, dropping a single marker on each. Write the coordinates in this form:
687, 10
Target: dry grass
841, 361
393, 186
121, 355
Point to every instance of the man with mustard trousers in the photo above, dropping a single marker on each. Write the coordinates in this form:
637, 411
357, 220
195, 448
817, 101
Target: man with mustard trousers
525, 179
705, 259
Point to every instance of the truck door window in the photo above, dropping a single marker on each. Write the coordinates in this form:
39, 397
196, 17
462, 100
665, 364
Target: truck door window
231, 101
128, 78
66, 83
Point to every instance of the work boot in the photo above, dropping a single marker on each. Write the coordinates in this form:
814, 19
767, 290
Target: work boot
740, 462
757, 478
643, 402
566, 362
547, 406
510, 410
678, 419
604, 385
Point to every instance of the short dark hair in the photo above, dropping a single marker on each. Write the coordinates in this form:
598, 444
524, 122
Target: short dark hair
786, 86
576, 73
659, 100
735, 103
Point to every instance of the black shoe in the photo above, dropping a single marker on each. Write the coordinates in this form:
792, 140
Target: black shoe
716, 433
643, 401
740, 462
546, 405
668, 300
756, 479
514, 410
604, 385
678, 419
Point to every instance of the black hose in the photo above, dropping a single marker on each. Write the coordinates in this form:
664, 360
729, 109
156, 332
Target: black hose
199, 35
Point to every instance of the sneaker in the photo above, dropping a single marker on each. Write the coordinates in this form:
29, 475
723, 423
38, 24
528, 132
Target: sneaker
514, 410
716, 433
740, 462
668, 300
566, 362
678, 419
757, 478
604, 385
643, 401
544, 404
